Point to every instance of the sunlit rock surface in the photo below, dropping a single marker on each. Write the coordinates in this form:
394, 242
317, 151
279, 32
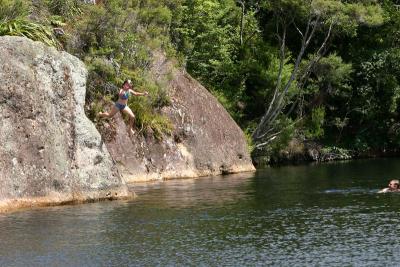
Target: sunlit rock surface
205, 139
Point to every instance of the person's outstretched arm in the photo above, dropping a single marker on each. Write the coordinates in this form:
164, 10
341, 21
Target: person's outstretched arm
133, 92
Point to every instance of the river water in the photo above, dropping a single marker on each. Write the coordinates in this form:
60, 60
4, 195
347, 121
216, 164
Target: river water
325, 215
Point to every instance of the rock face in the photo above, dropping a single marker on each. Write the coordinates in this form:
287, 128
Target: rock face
49, 150
205, 139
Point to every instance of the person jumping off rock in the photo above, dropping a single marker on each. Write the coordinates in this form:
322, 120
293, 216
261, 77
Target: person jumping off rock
122, 104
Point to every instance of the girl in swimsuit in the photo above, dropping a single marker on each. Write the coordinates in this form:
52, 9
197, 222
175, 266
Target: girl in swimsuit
122, 104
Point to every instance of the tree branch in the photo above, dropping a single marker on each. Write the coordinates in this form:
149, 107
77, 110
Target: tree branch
320, 53
264, 119
297, 28
277, 103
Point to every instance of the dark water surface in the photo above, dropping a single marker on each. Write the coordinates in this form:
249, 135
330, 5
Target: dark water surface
324, 215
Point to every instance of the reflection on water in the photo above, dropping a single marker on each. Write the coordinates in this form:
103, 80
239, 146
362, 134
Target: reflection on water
327, 214
187, 193
351, 191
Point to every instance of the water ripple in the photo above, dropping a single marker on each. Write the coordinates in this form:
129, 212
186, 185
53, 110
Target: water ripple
279, 217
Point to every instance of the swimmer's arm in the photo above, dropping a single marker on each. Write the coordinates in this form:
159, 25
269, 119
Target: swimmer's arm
138, 93
383, 190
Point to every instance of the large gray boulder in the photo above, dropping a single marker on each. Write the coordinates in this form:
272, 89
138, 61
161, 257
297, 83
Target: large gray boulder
205, 139
49, 150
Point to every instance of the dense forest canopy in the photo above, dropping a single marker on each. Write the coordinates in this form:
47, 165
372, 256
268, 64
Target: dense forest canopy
320, 70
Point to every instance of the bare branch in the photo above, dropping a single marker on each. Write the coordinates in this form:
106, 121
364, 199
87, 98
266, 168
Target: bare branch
299, 56
315, 25
241, 2
292, 107
265, 118
297, 28
274, 135
266, 132
265, 143
320, 53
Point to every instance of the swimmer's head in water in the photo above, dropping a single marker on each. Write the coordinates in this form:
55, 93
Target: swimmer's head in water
394, 184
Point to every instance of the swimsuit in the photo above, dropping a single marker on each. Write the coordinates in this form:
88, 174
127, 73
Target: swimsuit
124, 97
120, 106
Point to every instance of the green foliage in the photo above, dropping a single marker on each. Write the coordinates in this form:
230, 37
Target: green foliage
160, 16
57, 21
377, 100
249, 140
286, 132
332, 72
328, 85
207, 35
361, 144
115, 40
65, 8
145, 108
13, 9
150, 121
94, 109
348, 15
103, 68
314, 126
345, 15
14, 22
31, 30
338, 152
350, 96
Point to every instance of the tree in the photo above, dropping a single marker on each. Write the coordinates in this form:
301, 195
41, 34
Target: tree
321, 19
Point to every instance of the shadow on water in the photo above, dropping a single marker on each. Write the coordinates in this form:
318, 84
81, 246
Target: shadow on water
326, 214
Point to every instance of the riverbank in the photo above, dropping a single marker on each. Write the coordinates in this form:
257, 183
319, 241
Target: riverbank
61, 199
298, 152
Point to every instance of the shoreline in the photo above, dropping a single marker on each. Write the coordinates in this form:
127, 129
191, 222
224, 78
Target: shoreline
63, 199
311, 152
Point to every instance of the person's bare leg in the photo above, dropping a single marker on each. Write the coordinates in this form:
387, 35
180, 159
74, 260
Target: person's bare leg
110, 114
129, 112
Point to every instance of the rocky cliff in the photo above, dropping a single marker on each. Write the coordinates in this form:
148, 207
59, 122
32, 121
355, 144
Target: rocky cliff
49, 150
50, 153
205, 139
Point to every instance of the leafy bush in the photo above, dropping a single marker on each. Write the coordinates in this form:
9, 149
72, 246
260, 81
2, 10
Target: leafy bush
160, 15
104, 69
249, 140
65, 8
148, 120
145, 108
31, 30
286, 133
314, 125
329, 153
13, 9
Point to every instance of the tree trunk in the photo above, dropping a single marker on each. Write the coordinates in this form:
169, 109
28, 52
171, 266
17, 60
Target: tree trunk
265, 129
